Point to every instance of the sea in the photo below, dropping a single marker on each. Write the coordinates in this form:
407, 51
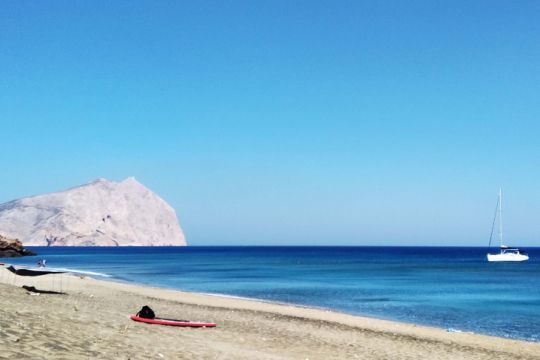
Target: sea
453, 288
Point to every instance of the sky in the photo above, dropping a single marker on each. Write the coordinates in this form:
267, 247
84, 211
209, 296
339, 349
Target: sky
283, 122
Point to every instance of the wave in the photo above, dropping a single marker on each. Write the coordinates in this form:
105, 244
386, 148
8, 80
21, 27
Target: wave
77, 271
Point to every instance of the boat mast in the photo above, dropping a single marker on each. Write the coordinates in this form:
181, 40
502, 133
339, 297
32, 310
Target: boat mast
500, 218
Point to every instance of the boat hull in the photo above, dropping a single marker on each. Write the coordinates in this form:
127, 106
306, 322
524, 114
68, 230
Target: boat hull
507, 257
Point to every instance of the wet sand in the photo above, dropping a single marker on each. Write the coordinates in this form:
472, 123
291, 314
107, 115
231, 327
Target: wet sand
92, 322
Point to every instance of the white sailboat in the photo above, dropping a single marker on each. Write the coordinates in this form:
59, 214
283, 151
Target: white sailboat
506, 254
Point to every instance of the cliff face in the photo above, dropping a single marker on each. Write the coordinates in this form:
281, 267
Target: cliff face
101, 213
12, 248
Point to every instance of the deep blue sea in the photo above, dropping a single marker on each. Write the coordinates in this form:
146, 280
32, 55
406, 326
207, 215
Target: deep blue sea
447, 287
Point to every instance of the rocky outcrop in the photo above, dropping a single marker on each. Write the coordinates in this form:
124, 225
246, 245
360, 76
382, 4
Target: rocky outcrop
101, 213
12, 248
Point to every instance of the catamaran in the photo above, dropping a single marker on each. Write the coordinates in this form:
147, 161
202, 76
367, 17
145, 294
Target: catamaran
506, 254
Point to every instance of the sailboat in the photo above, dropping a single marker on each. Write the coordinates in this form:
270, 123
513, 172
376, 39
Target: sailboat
506, 254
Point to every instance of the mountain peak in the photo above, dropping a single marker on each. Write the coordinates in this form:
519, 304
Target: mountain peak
100, 213
131, 181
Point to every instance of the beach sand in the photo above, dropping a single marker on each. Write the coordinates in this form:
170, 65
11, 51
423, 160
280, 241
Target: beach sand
92, 322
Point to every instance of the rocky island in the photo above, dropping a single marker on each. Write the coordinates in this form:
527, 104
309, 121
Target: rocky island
12, 248
100, 213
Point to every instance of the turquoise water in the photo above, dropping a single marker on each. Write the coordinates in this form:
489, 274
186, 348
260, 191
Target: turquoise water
444, 287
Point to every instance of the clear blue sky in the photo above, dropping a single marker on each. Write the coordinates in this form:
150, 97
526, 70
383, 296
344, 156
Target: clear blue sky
283, 122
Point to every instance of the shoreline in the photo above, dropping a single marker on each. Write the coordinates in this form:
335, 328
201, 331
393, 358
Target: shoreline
307, 307
247, 328
283, 308
103, 277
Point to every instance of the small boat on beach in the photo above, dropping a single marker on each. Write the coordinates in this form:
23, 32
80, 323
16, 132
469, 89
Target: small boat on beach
506, 253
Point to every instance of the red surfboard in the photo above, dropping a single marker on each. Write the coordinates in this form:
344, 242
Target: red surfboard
171, 322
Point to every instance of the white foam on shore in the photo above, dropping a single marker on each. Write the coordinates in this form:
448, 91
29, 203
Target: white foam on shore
76, 271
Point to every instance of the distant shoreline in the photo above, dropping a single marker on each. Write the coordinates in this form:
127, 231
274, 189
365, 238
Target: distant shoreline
279, 246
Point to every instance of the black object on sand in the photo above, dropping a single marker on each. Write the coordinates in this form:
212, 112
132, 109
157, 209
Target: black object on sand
34, 290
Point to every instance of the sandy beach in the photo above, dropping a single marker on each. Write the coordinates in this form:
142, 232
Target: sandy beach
92, 322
